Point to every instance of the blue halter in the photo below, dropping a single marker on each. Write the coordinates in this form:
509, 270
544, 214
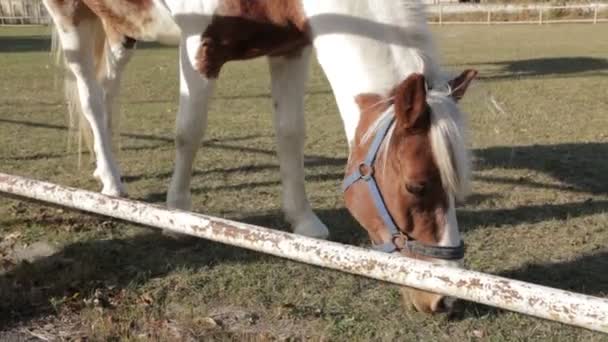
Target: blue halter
399, 241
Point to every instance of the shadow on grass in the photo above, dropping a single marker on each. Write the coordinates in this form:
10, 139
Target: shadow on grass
37, 43
268, 95
42, 43
581, 166
157, 197
586, 274
551, 66
343, 227
470, 220
578, 166
27, 291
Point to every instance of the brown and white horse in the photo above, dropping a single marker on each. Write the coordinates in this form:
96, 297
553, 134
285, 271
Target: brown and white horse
408, 161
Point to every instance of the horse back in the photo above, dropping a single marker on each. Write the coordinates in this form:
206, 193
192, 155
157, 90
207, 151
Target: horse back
146, 20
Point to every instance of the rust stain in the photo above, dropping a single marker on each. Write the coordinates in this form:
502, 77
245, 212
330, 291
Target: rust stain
232, 232
475, 283
369, 265
533, 300
447, 280
505, 291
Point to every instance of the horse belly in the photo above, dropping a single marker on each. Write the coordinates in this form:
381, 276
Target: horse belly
248, 29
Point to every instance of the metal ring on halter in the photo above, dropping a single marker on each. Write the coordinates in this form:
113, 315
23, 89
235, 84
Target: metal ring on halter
366, 171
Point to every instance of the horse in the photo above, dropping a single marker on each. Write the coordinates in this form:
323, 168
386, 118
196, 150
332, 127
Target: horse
408, 163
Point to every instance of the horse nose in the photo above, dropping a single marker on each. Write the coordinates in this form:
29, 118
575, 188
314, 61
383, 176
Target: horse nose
443, 305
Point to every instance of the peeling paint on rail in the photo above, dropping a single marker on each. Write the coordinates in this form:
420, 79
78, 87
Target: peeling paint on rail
539, 301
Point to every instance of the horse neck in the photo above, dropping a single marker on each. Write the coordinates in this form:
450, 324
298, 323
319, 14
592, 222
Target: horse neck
369, 49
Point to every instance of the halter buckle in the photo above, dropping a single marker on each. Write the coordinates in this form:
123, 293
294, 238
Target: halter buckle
400, 241
366, 171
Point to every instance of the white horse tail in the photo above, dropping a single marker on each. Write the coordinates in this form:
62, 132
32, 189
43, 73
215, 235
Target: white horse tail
78, 128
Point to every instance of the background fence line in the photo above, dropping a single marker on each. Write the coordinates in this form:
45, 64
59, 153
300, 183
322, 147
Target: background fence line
32, 12
23, 12
490, 14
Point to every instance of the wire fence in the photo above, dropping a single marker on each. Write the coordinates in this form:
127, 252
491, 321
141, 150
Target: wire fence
488, 14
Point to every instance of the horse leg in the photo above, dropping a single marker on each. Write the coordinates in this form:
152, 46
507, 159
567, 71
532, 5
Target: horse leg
120, 51
289, 76
78, 44
195, 93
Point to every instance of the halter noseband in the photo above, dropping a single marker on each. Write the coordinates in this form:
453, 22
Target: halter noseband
399, 241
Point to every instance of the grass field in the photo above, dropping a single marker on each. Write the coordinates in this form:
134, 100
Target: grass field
539, 212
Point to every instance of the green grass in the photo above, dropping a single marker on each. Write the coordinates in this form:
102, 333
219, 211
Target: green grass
539, 212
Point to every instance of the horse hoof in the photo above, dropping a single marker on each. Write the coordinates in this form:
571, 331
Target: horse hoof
184, 203
114, 191
312, 227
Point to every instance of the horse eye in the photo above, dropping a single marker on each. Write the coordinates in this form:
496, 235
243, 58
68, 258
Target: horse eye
417, 189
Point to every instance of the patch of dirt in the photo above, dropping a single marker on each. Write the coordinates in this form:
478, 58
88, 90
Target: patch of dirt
33, 252
50, 328
12, 252
239, 323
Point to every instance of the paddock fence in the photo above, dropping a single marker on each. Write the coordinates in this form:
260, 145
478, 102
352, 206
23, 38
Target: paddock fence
492, 14
535, 300
23, 12
444, 12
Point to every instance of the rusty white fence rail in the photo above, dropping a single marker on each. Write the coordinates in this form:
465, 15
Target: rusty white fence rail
491, 14
539, 301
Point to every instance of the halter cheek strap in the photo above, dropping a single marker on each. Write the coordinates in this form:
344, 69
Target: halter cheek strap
399, 241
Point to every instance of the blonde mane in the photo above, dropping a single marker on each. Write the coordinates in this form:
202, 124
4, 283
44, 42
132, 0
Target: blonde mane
448, 141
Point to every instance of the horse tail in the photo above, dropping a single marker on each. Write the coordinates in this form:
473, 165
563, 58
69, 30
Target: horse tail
79, 131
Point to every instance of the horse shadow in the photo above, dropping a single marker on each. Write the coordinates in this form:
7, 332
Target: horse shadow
577, 168
34, 43
586, 275
27, 291
30, 290
549, 66
581, 166
42, 43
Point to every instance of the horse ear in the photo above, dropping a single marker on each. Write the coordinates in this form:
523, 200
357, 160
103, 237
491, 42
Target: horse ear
460, 84
410, 102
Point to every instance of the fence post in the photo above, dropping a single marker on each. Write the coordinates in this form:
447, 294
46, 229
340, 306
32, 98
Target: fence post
37, 13
441, 14
489, 16
595, 10
10, 13
540, 16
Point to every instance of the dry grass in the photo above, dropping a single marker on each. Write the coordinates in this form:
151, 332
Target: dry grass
538, 213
